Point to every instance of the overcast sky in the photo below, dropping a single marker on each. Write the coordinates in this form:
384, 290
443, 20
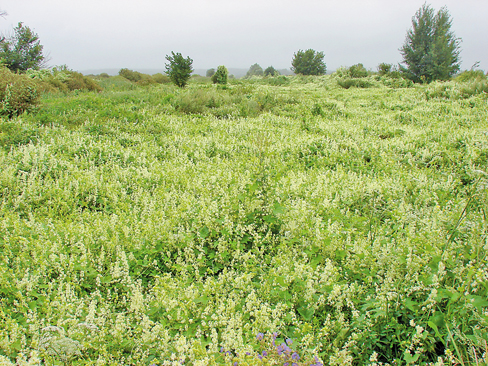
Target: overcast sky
98, 34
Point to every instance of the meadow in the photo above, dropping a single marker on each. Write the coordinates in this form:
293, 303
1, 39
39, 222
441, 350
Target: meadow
284, 220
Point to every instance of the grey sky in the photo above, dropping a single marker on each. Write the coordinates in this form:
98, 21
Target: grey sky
96, 34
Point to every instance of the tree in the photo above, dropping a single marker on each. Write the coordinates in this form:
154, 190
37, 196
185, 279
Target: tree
308, 62
358, 71
271, 71
210, 73
21, 51
220, 76
255, 70
431, 50
179, 69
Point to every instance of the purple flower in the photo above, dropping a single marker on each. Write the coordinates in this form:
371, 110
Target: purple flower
221, 349
289, 341
248, 354
294, 364
295, 356
286, 364
275, 335
260, 336
265, 353
235, 363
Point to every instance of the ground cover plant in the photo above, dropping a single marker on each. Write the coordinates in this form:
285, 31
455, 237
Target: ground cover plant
299, 223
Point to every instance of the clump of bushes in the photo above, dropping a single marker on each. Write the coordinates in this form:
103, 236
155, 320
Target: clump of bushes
161, 79
18, 93
358, 71
220, 76
62, 79
347, 83
271, 71
457, 90
139, 78
471, 75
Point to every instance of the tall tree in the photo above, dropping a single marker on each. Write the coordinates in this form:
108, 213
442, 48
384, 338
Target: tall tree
309, 62
179, 68
431, 50
21, 51
255, 70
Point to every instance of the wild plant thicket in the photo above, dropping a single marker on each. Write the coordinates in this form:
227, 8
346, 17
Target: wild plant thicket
161, 225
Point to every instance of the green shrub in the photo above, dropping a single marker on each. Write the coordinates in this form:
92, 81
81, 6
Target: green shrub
384, 68
210, 73
77, 81
255, 70
161, 79
346, 83
271, 71
470, 75
220, 76
358, 71
18, 93
131, 75
62, 79
391, 80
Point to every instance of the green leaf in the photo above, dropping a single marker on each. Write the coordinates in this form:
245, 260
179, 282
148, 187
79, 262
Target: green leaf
306, 312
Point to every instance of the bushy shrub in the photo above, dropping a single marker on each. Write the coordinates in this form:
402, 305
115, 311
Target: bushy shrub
393, 81
220, 76
131, 75
255, 70
358, 71
271, 71
457, 90
18, 93
471, 75
346, 83
77, 81
210, 73
62, 79
161, 79
384, 68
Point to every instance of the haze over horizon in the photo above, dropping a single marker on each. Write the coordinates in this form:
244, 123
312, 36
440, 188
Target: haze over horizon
109, 34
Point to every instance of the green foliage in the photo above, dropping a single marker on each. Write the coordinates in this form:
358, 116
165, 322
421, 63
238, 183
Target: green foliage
18, 94
461, 90
471, 75
161, 79
346, 83
210, 73
309, 62
431, 50
131, 75
161, 225
271, 71
358, 71
63, 79
179, 69
384, 68
220, 77
22, 51
255, 70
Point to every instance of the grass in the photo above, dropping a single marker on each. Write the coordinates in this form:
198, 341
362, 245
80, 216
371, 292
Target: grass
156, 225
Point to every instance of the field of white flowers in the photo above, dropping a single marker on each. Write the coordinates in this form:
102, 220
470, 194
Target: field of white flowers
166, 226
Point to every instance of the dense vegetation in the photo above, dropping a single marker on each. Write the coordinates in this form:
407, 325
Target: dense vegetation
160, 225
